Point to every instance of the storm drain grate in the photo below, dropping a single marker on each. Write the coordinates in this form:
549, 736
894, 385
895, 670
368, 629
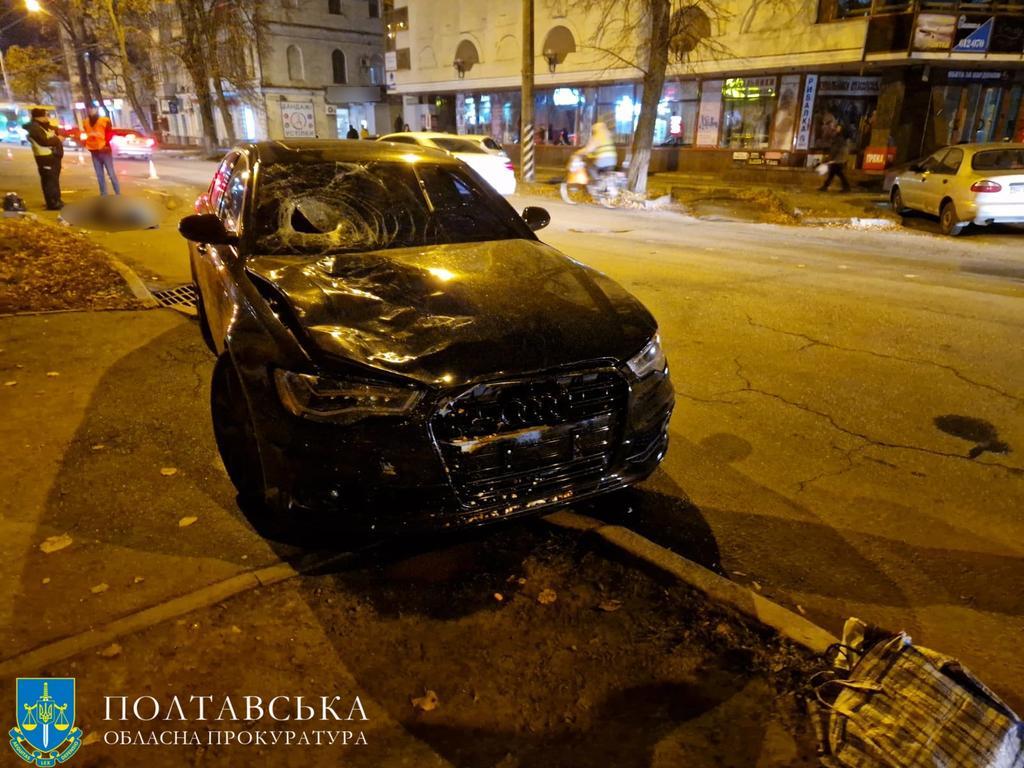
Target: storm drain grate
184, 296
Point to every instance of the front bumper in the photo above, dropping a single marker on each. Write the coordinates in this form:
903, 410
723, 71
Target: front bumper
401, 473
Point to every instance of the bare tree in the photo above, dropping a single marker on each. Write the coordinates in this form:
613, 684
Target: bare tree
119, 15
648, 35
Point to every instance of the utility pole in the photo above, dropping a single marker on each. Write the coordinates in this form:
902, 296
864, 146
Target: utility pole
526, 111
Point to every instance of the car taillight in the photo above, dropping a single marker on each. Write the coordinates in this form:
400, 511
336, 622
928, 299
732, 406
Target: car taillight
150, 142
986, 185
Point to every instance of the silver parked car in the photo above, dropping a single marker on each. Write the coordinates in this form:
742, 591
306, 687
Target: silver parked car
966, 184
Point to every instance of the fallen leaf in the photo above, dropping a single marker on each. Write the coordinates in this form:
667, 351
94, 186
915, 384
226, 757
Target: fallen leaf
10, 383
52, 374
547, 596
55, 543
801, 609
138, 580
498, 596
103, 587
428, 702
168, 471
185, 522
110, 651
98, 447
235, 630
46, 580
755, 585
610, 606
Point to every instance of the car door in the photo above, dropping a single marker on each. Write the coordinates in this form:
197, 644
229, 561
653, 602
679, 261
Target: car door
941, 181
913, 184
204, 273
220, 301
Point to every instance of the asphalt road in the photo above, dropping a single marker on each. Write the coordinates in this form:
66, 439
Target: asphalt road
849, 426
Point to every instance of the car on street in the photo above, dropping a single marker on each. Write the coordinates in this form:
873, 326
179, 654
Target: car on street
128, 142
980, 184
496, 169
486, 143
395, 344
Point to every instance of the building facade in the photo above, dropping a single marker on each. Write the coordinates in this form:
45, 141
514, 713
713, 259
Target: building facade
757, 82
317, 69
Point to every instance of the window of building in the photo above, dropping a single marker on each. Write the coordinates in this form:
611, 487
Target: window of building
374, 8
676, 123
334, 6
748, 106
338, 66
296, 71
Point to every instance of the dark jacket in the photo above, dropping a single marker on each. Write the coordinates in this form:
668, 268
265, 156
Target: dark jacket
838, 149
44, 136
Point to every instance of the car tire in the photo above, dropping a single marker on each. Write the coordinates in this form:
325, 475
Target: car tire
235, 435
948, 221
896, 201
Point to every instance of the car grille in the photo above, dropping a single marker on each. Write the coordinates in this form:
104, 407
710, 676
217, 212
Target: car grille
517, 444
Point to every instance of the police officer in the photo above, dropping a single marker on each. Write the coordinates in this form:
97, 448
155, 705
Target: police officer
48, 151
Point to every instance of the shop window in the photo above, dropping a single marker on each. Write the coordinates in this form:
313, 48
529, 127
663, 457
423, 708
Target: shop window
338, 67
676, 124
748, 108
296, 71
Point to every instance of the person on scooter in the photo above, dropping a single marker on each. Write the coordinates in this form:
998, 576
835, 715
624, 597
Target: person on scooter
599, 151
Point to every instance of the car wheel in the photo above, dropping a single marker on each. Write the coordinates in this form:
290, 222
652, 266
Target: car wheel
896, 201
948, 221
234, 432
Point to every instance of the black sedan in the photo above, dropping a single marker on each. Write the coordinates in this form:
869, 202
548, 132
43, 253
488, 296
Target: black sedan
394, 343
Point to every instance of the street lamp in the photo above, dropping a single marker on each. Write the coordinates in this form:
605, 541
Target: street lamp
33, 6
460, 68
552, 59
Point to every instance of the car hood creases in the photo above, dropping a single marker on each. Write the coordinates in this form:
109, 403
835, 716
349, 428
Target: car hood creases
454, 313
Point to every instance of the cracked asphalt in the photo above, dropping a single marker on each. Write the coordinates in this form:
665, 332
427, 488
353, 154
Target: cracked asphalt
849, 433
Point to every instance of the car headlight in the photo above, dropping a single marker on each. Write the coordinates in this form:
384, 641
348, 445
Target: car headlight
325, 399
650, 359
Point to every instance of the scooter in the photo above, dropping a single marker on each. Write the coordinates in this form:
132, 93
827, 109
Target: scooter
604, 190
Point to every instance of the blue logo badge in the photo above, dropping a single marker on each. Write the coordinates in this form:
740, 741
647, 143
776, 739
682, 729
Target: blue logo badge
978, 40
45, 734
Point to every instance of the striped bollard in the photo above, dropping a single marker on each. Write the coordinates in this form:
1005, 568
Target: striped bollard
527, 159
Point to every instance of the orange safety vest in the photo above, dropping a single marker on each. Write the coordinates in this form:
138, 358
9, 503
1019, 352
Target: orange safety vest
96, 134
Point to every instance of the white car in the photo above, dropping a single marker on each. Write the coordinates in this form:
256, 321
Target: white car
486, 143
965, 184
495, 169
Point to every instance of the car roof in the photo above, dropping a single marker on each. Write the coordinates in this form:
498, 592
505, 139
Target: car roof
422, 135
340, 149
987, 145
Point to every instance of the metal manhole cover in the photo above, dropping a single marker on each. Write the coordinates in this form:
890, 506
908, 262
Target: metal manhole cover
182, 298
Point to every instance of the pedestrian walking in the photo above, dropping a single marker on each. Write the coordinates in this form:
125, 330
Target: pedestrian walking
352, 132
837, 154
363, 133
48, 151
98, 130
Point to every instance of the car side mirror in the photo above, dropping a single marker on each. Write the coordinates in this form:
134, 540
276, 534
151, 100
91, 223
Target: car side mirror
536, 217
917, 168
206, 228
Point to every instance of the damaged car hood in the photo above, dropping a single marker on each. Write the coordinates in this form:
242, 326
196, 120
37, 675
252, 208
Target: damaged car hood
453, 313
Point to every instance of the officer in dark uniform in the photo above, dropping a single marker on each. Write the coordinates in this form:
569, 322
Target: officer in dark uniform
48, 150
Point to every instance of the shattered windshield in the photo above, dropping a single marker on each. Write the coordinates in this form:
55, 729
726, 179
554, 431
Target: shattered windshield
322, 206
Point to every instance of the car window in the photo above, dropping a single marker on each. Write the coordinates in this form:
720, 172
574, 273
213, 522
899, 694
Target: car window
401, 139
233, 199
315, 206
934, 162
998, 160
220, 181
459, 145
951, 161
491, 143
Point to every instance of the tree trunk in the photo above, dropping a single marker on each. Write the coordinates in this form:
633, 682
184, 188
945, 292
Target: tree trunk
225, 111
654, 82
127, 68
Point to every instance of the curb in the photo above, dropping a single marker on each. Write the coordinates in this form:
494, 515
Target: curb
58, 650
135, 284
718, 588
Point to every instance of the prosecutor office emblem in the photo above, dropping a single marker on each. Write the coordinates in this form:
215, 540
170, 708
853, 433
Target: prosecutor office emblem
45, 734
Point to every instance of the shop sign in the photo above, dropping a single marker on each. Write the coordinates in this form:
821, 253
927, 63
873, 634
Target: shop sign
565, 97
829, 85
774, 158
803, 136
934, 32
332, 110
974, 75
878, 158
709, 117
298, 120
391, 60
972, 36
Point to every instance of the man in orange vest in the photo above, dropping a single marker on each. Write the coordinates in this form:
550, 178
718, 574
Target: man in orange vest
98, 131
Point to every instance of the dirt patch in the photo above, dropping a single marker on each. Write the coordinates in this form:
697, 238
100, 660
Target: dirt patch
756, 204
46, 267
